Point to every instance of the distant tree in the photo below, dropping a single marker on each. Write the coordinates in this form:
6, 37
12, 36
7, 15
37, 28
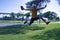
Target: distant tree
50, 15
18, 15
12, 15
6, 18
27, 14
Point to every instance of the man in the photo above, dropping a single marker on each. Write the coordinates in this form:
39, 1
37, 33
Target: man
34, 10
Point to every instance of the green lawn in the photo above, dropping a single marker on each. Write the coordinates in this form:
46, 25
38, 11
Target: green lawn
19, 21
33, 32
10, 21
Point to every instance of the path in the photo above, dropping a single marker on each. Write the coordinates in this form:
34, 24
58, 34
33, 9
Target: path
11, 25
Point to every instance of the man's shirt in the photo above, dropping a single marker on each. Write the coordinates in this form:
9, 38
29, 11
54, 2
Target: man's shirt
34, 12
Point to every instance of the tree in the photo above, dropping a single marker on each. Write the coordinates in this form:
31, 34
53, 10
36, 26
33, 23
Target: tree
12, 15
50, 15
27, 14
57, 18
29, 4
18, 15
37, 2
6, 18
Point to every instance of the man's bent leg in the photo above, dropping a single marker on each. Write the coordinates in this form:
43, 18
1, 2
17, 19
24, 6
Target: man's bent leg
36, 18
47, 22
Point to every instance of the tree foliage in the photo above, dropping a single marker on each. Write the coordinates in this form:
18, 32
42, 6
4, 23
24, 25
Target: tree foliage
12, 15
50, 15
27, 14
36, 2
18, 15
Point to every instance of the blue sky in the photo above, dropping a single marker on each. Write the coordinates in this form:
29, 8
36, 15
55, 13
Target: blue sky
53, 6
11, 5
14, 6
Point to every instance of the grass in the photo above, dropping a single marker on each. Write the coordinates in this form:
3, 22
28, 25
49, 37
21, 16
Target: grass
19, 21
10, 21
33, 32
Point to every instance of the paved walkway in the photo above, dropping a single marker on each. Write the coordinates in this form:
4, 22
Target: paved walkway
12, 25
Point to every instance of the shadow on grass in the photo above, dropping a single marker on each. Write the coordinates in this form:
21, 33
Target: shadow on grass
18, 29
49, 35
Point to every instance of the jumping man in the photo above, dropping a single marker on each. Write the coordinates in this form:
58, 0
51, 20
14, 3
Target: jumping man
34, 14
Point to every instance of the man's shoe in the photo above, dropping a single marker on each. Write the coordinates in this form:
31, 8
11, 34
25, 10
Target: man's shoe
25, 22
48, 22
29, 24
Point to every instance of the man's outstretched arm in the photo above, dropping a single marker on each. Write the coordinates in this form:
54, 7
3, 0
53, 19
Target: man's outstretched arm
22, 8
42, 7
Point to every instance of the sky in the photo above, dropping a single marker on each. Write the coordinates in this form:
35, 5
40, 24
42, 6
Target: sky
11, 5
8, 6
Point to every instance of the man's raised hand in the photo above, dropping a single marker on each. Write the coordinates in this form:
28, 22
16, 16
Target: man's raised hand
22, 8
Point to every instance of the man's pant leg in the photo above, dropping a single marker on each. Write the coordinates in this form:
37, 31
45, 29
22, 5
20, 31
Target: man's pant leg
36, 18
31, 21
